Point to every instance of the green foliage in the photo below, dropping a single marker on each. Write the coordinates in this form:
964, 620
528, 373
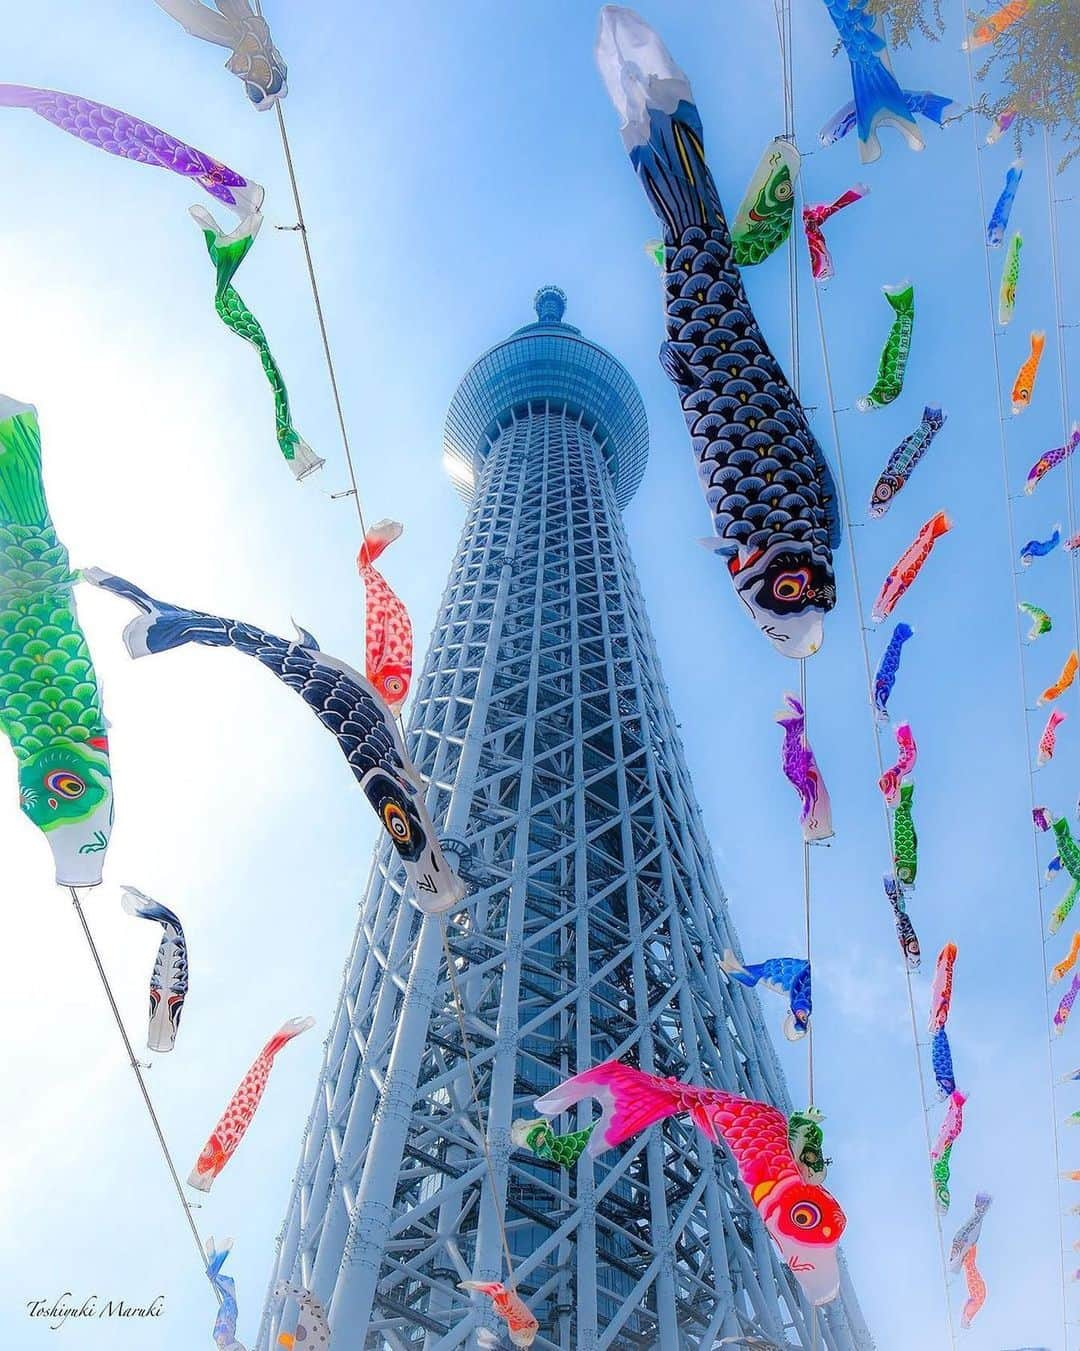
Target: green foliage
1033, 67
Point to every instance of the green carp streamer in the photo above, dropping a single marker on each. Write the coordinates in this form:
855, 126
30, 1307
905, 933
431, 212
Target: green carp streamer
894, 355
50, 708
227, 252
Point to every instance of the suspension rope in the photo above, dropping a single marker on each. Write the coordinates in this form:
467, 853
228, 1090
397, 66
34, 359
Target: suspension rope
782, 10
302, 231
459, 1008
137, 1070
1022, 681
916, 1045
1069, 467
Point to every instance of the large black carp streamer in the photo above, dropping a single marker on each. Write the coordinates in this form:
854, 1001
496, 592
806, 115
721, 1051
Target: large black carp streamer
764, 475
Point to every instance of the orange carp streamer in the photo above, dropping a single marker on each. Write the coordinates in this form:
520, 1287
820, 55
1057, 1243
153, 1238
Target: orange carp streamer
976, 1287
995, 24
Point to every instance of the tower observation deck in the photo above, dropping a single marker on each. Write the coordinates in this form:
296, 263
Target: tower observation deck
542, 727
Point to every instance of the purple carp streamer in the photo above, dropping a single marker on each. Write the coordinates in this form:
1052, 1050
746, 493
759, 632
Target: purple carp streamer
801, 768
1052, 459
1061, 1013
118, 133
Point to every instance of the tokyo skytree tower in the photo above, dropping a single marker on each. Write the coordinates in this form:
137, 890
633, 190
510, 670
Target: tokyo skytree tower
592, 931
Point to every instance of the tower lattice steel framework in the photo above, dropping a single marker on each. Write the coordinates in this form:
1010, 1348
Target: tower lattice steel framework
541, 723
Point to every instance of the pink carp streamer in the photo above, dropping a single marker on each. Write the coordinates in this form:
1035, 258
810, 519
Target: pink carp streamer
803, 1219
941, 991
131, 138
801, 768
951, 1126
1048, 740
521, 1326
814, 217
236, 1118
388, 636
891, 781
976, 1288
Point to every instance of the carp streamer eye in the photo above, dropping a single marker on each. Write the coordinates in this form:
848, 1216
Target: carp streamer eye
805, 1215
397, 823
394, 685
791, 586
783, 191
65, 784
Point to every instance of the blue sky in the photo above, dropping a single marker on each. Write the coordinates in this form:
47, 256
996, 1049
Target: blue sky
453, 158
